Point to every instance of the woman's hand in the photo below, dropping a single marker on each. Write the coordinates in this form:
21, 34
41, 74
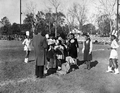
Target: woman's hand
90, 52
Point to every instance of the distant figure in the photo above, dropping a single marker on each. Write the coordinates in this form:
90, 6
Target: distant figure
27, 47
113, 64
87, 50
40, 46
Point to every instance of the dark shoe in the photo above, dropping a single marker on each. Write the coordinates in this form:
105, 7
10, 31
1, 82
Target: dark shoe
37, 77
42, 76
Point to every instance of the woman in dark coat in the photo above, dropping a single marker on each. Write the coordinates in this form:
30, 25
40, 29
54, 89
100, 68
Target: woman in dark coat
73, 46
87, 50
40, 45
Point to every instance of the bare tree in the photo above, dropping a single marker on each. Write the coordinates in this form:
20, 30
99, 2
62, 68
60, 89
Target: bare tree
79, 12
31, 10
55, 4
107, 7
70, 19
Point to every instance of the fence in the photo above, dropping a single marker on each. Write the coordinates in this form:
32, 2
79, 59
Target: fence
96, 39
12, 37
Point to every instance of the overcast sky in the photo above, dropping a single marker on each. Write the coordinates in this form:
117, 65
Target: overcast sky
10, 8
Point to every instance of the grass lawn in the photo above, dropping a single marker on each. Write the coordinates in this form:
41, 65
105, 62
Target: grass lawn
12, 64
21, 76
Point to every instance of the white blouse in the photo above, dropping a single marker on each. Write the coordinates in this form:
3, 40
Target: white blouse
27, 42
114, 44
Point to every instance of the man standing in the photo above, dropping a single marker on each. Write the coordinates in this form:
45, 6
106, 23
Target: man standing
40, 45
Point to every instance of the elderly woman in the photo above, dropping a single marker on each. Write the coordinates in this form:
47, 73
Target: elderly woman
87, 50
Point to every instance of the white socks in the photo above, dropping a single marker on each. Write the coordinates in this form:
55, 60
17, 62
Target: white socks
45, 71
26, 60
109, 69
59, 68
116, 71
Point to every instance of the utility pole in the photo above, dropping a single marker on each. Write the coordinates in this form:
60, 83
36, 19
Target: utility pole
56, 22
117, 20
20, 13
117, 15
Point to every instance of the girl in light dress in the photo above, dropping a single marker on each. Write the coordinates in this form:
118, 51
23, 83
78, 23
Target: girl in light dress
27, 47
113, 64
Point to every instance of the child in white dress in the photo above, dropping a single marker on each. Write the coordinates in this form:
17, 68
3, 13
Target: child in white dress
27, 47
113, 64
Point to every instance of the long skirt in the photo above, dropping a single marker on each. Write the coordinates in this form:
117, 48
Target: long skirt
87, 56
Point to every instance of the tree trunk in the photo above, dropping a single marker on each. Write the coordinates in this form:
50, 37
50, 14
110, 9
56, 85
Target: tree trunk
110, 28
49, 28
56, 30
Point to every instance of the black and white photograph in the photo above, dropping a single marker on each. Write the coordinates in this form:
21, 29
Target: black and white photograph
59, 46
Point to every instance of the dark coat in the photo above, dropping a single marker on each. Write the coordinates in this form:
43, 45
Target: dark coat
39, 44
72, 48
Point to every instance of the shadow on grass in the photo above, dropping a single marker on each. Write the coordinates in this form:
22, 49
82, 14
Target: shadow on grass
80, 62
31, 61
93, 63
72, 67
51, 71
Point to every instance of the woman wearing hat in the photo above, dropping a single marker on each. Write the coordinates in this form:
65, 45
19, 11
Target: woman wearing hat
87, 50
113, 64
73, 47
27, 47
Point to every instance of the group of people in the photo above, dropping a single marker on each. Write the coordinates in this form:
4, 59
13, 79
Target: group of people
61, 54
